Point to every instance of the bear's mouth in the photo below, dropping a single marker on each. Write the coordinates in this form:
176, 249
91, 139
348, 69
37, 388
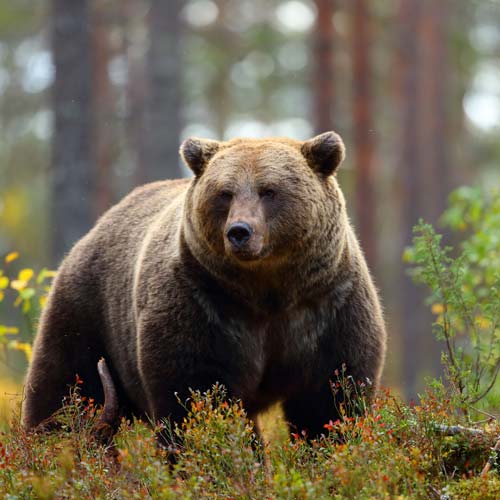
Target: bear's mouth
253, 251
245, 255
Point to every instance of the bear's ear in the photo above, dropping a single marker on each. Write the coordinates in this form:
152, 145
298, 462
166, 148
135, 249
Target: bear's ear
324, 153
196, 153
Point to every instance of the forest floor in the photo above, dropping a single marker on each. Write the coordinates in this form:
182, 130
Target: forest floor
391, 451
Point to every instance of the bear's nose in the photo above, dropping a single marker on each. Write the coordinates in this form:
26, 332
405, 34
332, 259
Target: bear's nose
239, 233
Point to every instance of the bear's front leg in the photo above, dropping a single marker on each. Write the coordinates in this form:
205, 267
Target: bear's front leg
174, 359
354, 347
309, 411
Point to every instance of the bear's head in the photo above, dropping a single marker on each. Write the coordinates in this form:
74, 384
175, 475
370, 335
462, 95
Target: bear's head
257, 201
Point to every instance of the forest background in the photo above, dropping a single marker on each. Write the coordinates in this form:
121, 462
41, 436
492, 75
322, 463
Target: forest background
95, 97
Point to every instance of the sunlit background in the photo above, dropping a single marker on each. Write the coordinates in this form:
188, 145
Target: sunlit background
96, 95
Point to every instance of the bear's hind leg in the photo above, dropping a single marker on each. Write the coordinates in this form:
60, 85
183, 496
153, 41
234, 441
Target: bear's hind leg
47, 384
61, 351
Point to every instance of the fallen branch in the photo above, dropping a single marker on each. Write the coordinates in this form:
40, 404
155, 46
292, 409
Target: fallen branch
491, 460
455, 430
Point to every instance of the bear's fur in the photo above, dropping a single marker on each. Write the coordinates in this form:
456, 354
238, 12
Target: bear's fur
174, 297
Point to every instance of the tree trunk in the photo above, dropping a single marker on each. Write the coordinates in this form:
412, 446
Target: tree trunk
433, 136
366, 219
135, 91
102, 105
412, 327
162, 113
72, 209
323, 71
436, 123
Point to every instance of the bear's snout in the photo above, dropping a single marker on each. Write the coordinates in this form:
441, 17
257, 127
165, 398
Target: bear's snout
239, 233
244, 239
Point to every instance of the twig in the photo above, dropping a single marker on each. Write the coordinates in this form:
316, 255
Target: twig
454, 430
108, 420
490, 416
489, 387
491, 459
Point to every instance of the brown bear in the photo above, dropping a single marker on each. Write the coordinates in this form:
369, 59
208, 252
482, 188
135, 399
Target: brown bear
249, 274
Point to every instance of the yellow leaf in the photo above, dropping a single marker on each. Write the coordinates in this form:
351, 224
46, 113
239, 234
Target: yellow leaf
22, 346
18, 285
42, 300
483, 322
407, 255
437, 308
44, 274
25, 274
28, 351
4, 282
11, 256
8, 330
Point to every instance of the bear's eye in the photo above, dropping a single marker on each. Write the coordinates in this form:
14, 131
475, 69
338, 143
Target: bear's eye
269, 194
225, 196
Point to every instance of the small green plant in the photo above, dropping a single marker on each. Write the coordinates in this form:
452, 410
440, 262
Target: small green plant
465, 290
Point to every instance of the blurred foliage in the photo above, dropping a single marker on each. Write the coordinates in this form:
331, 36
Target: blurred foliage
25, 125
247, 71
27, 292
465, 290
19, 16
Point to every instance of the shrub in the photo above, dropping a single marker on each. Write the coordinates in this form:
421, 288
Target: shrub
465, 291
393, 450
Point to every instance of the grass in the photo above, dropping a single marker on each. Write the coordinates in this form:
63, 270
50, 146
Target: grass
392, 451
10, 395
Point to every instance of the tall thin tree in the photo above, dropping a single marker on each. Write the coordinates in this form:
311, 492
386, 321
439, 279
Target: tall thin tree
412, 326
323, 70
434, 106
363, 129
132, 24
72, 210
162, 125
433, 137
102, 105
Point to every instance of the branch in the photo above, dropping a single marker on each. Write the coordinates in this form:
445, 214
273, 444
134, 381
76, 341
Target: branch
455, 430
108, 420
491, 461
489, 387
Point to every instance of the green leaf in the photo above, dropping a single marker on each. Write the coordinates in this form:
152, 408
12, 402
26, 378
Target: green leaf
27, 293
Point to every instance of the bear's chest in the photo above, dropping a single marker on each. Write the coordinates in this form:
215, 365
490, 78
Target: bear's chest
277, 355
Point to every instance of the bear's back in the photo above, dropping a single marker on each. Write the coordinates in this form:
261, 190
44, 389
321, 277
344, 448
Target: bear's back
99, 270
118, 234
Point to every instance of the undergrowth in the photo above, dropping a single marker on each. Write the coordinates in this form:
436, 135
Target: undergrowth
385, 449
392, 450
